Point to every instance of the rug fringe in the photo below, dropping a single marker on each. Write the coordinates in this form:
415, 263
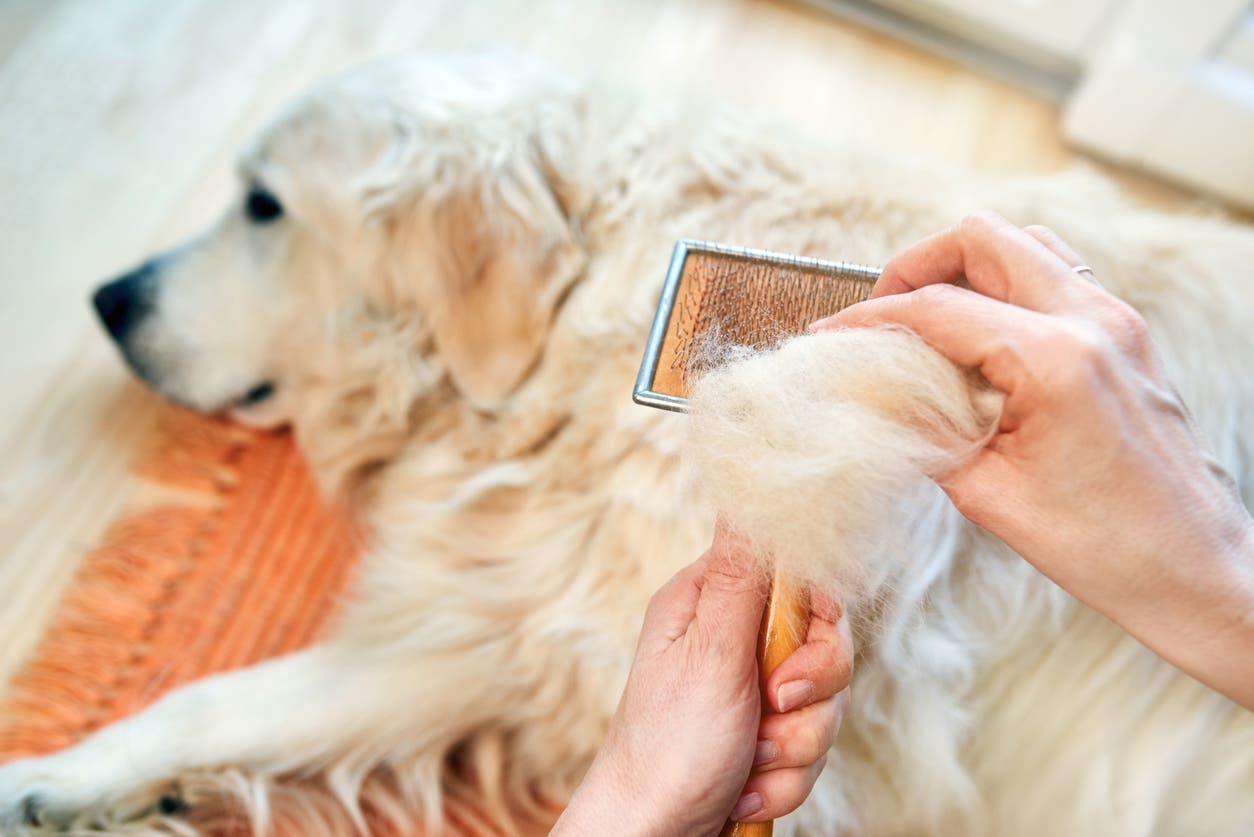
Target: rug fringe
252, 565
178, 592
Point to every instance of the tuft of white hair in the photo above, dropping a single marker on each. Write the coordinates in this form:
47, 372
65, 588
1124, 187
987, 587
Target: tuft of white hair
810, 449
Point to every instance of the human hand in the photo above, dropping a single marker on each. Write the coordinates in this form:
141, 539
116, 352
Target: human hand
1096, 474
689, 727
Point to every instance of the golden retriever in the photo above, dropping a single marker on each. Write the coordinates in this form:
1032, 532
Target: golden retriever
441, 272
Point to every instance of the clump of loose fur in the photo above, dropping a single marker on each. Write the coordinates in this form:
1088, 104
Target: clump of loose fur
808, 449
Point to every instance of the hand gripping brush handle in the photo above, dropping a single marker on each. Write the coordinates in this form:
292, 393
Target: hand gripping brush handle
751, 298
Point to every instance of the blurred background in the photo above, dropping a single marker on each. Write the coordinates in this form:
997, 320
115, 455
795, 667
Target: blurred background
119, 120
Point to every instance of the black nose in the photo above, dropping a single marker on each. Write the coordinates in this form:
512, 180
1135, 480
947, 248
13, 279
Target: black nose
125, 301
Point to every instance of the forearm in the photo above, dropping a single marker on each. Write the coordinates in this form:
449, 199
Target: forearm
1201, 619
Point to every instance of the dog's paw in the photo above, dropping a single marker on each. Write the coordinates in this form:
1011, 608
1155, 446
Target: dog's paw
44, 795
25, 797
23, 785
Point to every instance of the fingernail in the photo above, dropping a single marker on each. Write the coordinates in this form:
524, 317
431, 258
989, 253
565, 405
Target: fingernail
793, 693
766, 751
817, 324
748, 805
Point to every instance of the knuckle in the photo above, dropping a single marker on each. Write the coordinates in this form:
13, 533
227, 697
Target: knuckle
834, 664
844, 671
1129, 324
826, 656
1040, 232
785, 790
1076, 344
1087, 345
817, 740
927, 293
980, 223
932, 296
1009, 355
1072, 358
826, 604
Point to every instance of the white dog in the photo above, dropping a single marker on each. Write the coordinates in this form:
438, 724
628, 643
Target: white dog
441, 274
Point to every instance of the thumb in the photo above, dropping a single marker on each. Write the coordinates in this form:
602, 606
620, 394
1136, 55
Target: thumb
733, 593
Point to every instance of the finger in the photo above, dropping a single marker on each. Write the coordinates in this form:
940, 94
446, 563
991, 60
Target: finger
820, 668
733, 594
771, 795
997, 258
1122, 321
826, 605
800, 737
672, 608
968, 328
1052, 242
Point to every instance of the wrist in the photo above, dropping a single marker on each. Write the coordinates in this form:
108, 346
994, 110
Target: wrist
609, 801
1235, 619
1202, 618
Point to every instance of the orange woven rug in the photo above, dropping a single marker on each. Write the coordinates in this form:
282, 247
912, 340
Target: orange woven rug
247, 565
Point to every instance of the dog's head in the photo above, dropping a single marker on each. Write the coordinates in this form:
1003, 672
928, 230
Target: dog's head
400, 235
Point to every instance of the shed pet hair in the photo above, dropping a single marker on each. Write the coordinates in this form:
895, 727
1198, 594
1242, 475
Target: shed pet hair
808, 449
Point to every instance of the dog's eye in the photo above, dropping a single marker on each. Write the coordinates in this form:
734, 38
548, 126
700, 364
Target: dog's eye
257, 394
262, 206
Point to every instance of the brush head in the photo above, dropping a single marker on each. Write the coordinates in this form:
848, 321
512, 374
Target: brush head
731, 296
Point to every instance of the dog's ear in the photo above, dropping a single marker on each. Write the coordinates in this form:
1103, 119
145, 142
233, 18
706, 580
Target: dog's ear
510, 257
488, 255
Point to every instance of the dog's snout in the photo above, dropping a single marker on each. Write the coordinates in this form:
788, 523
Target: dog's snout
123, 302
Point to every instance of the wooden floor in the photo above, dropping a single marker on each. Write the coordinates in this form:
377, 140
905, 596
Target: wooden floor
118, 122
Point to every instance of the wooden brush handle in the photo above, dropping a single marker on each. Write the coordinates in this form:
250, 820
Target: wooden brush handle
784, 624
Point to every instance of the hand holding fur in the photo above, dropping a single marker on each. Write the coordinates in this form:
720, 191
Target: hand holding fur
1097, 473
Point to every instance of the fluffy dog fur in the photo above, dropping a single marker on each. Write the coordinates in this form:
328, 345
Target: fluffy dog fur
452, 308
846, 425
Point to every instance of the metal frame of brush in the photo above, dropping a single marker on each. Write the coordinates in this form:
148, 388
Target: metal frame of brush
644, 393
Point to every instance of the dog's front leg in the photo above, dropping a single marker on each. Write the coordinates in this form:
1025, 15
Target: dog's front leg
292, 712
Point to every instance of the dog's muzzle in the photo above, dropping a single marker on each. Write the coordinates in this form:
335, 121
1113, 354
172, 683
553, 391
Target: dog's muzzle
123, 303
